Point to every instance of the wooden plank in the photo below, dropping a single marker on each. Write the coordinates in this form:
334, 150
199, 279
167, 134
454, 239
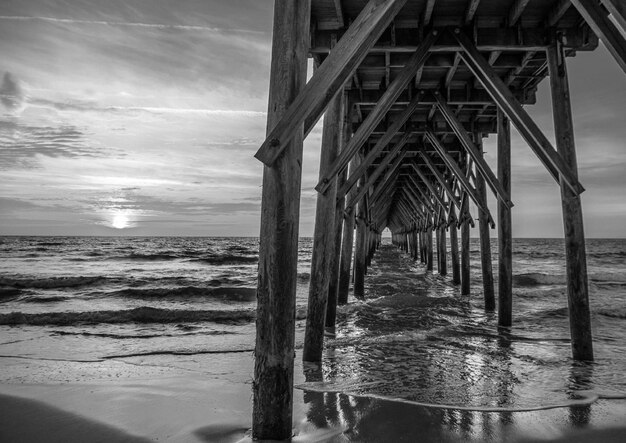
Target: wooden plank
516, 11
331, 75
485, 240
323, 237
505, 232
575, 255
472, 150
598, 20
376, 150
384, 104
278, 245
527, 128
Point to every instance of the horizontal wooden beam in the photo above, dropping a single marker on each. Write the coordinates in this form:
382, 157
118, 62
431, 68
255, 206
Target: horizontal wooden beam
528, 129
507, 39
331, 75
385, 103
597, 18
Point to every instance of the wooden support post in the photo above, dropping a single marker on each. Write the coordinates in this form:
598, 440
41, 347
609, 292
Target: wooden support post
485, 239
278, 249
438, 247
429, 250
333, 285
576, 258
454, 247
323, 237
360, 248
465, 249
505, 234
443, 253
346, 247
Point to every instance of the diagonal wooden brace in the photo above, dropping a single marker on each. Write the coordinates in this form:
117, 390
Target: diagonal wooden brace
331, 75
381, 168
454, 167
528, 129
323, 185
440, 178
384, 104
597, 18
473, 151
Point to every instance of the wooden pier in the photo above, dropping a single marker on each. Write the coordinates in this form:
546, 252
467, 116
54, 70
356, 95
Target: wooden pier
408, 89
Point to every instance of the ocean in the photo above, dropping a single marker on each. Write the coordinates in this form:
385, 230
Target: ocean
163, 300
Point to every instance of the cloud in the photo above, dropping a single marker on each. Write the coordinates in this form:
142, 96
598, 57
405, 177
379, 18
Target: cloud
20, 145
12, 94
132, 24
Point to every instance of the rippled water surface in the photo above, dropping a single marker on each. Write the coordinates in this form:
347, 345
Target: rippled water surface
413, 337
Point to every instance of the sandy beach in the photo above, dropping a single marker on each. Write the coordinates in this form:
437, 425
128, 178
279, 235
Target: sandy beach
131, 400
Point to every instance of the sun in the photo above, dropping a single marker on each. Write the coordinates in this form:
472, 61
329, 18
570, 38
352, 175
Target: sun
120, 221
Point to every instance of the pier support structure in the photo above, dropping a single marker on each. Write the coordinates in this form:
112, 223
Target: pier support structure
505, 233
278, 248
575, 255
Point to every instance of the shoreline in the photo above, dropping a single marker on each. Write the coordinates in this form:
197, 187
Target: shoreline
152, 401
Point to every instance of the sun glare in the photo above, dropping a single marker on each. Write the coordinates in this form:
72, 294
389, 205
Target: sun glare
120, 221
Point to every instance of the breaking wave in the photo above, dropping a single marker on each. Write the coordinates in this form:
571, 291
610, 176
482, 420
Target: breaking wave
538, 279
225, 293
143, 314
50, 283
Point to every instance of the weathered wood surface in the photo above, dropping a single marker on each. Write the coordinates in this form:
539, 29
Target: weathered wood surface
278, 248
465, 248
331, 75
454, 248
360, 249
505, 233
575, 255
485, 239
323, 238
333, 286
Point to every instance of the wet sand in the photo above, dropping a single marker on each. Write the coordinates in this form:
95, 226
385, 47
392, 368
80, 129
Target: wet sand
162, 401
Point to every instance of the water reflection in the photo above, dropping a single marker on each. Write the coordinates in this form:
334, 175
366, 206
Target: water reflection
415, 340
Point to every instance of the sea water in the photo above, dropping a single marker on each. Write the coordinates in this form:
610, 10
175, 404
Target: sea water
413, 337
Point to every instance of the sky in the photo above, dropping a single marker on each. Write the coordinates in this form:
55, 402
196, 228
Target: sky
141, 117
